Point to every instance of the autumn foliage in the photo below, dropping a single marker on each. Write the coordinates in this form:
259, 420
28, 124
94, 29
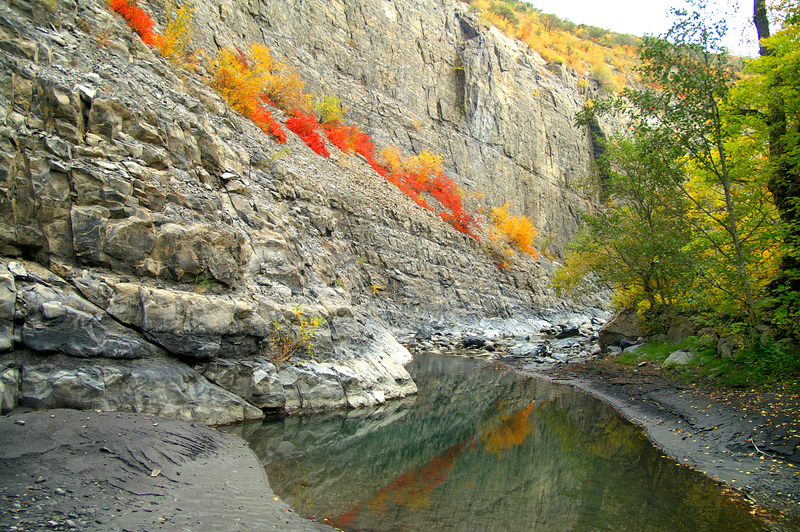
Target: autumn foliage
420, 177
346, 138
138, 21
175, 44
508, 233
604, 55
252, 82
243, 88
307, 128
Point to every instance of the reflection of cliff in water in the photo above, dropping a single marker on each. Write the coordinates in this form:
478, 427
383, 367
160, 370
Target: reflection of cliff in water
483, 449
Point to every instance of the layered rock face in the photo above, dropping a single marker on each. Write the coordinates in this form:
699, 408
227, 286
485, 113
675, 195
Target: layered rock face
152, 238
427, 75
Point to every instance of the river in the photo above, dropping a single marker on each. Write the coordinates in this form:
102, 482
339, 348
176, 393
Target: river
481, 448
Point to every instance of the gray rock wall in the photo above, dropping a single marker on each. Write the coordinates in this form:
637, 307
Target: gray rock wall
151, 238
427, 75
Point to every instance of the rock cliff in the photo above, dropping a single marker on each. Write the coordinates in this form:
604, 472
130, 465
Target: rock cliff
428, 75
151, 237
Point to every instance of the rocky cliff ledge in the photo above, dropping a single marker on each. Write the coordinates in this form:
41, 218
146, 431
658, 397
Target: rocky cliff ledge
151, 237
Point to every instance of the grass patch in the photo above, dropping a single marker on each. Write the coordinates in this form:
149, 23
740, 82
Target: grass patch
758, 364
653, 351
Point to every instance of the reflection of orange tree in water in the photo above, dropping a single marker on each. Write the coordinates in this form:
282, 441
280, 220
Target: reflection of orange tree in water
512, 432
412, 489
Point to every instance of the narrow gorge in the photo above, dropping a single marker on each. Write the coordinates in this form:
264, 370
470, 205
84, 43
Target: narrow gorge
152, 238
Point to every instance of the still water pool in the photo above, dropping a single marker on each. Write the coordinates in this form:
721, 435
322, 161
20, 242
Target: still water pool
483, 449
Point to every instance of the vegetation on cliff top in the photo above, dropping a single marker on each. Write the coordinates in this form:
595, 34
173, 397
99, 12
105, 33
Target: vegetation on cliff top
605, 56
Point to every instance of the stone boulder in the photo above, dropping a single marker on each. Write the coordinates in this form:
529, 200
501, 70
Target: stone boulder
183, 323
349, 380
61, 328
624, 325
160, 387
255, 381
680, 358
728, 347
680, 328
10, 380
57, 318
8, 298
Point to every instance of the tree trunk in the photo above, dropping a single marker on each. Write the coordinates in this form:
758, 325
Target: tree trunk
784, 183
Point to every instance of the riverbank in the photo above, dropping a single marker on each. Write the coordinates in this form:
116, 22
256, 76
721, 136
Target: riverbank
110, 471
748, 439
86, 470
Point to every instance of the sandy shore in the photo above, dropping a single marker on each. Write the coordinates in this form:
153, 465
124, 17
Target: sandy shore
70, 469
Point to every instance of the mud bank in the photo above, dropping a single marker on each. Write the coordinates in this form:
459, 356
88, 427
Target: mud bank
84, 470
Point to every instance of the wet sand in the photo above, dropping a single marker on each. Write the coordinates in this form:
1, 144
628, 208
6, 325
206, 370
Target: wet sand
70, 469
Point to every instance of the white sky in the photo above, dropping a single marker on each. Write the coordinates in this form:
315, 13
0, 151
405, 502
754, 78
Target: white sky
638, 17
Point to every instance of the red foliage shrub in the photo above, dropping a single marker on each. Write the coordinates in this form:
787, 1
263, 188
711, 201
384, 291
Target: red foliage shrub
264, 120
338, 136
307, 128
364, 147
351, 139
415, 180
138, 21
446, 192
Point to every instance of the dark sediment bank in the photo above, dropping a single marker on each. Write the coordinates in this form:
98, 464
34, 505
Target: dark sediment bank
84, 470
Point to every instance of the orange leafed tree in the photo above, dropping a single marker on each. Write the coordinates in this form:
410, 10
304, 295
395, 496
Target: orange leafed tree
512, 231
242, 81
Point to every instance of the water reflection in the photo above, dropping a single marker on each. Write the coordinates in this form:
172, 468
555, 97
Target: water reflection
482, 449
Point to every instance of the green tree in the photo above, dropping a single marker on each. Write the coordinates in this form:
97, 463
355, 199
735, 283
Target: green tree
636, 244
772, 96
685, 104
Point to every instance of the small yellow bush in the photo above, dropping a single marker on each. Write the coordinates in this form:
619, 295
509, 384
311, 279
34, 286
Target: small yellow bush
330, 109
510, 233
235, 82
245, 80
424, 165
281, 84
392, 159
177, 39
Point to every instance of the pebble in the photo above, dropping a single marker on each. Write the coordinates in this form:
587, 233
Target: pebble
537, 347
